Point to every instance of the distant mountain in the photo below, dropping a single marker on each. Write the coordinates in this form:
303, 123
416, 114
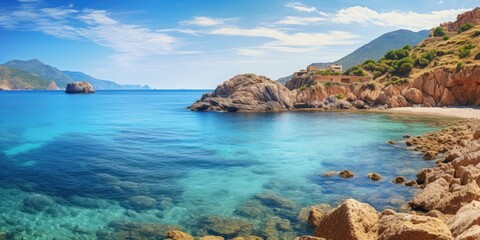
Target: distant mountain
376, 48
61, 78
15, 79
101, 84
40, 69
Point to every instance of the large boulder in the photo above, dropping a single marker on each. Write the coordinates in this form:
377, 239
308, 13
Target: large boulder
431, 195
403, 226
351, 220
246, 93
79, 87
467, 217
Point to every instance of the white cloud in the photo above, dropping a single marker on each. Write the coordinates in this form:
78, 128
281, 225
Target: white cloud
290, 20
202, 21
284, 41
407, 20
303, 8
250, 52
93, 25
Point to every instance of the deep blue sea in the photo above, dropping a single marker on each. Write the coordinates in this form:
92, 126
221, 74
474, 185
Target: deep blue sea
115, 164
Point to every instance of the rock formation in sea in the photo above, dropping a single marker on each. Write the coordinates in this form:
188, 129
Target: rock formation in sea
246, 93
79, 87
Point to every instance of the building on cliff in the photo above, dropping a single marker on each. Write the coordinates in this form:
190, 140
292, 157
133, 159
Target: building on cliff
333, 67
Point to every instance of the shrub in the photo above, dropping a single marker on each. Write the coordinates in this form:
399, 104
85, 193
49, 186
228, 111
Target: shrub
430, 55
404, 68
377, 74
340, 96
370, 66
369, 61
439, 32
358, 72
407, 47
465, 50
465, 27
303, 87
422, 62
475, 34
328, 84
445, 38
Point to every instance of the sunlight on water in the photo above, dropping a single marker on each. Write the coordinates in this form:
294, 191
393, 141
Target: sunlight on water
116, 163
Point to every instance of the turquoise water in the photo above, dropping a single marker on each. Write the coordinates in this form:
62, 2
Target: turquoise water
72, 163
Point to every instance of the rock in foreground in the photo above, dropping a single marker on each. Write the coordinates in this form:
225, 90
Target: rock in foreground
246, 93
79, 87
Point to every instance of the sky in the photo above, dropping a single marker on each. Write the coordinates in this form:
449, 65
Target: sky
197, 44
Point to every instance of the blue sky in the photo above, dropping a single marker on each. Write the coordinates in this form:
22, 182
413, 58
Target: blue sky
201, 43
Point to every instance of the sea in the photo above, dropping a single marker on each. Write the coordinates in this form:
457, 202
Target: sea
135, 164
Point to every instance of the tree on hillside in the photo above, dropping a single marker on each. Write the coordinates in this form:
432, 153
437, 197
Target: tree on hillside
439, 32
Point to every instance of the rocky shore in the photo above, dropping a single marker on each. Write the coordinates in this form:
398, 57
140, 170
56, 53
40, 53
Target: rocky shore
447, 205
440, 87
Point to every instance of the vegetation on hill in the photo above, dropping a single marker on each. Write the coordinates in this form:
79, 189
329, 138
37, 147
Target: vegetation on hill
377, 48
404, 64
13, 79
40, 69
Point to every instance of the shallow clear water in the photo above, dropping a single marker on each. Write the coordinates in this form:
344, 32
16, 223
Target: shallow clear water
72, 163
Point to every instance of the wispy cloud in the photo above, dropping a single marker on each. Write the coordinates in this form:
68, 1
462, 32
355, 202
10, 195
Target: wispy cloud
290, 20
92, 25
203, 21
364, 15
407, 20
300, 7
285, 41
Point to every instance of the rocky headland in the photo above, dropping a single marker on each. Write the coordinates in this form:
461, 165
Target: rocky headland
439, 72
79, 87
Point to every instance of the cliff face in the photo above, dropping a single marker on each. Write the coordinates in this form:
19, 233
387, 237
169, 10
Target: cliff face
470, 16
246, 93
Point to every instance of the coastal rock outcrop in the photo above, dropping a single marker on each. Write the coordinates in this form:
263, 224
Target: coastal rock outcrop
403, 226
246, 93
356, 221
79, 87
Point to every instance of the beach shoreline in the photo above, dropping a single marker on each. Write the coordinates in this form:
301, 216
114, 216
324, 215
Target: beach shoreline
451, 112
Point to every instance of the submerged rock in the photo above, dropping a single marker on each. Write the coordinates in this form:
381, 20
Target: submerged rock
229, 227
135, 230
178, 235
79, 87
141, 203
37, 203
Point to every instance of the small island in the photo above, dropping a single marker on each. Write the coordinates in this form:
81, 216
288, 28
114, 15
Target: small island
79, 87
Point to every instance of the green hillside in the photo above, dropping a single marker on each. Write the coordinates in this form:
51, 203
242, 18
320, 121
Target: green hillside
14, 79
40, 69
378, 47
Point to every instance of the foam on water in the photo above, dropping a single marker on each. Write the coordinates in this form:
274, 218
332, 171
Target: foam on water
89, 154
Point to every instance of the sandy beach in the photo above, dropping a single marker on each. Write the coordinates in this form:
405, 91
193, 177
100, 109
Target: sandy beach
456, 112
